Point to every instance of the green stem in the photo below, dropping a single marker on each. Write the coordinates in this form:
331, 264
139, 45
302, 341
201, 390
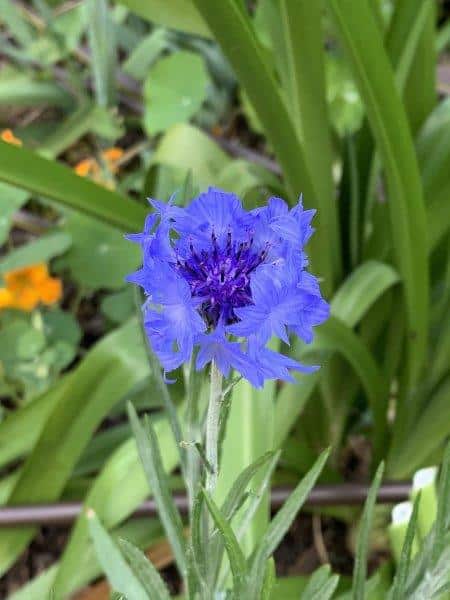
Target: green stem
193, 430
212, 428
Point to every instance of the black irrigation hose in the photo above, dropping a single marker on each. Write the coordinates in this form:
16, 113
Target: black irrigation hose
322, 495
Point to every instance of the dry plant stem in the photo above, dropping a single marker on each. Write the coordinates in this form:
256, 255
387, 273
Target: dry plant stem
212, 427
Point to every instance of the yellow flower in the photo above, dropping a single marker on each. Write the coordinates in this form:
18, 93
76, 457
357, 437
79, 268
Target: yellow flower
28, 286
8, 136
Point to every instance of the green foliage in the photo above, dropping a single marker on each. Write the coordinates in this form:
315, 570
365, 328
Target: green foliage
180, 76
343, 94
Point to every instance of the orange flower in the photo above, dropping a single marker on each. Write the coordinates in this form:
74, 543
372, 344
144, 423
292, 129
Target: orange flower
28, 286
8, 136
112, 155
89, 167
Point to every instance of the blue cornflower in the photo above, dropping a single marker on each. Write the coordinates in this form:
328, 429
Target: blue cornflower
225, 281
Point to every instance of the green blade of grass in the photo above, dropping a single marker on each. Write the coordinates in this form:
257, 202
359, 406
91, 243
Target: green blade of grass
27, 170
307, 97
179, 14
387, 118
150, 455
235, 555
399, 587
250, 420
429, 433
123, 471
280, 524
145, 572
362, 548
120, 574
102, 44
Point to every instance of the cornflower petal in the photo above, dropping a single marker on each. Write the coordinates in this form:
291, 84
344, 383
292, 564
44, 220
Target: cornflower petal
213, 270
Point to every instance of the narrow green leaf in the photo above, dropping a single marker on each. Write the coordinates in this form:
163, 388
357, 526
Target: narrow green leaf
307, 97
245, 517
399, 587
250, 420
386, 115
16, 23
235, 555
428, 434
180, 14
281, 523
361, 289
144, 571
322, 584
197, 537
103, 47
269, 580
442, 516
362, 548
27, 170
150, 456
335, 335
145, 53
239, 487
118, 571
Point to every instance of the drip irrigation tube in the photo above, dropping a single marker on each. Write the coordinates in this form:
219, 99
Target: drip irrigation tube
346, 494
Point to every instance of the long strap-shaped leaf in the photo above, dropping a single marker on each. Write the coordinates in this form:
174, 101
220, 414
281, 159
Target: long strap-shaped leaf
301, 29
144, 571
27, 170
387, 118
280, 524
120, 574
233, 30
335, 335
362, 548
235, 555
150, 455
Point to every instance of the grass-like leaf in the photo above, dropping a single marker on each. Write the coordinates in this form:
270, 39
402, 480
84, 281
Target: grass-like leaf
29, 171
150, 456
362, 548
281, 523
399, 587
239, 487
443, 511
374, 76
235, 555
102, 43
119, 573
269, 580
144, 571
322, 584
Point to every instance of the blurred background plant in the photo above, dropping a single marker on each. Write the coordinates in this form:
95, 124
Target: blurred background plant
103, 104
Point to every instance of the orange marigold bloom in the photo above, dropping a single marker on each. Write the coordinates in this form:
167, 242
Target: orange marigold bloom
87, 166
8, 136
28, 286
111, 155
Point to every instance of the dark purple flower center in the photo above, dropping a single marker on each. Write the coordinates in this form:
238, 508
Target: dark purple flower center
220, 276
